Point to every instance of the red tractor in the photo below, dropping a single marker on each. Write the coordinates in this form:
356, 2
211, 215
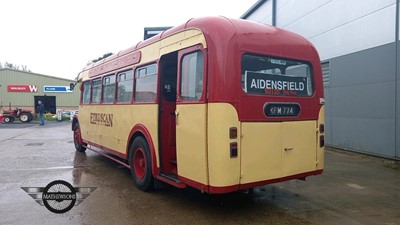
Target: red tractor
23, 115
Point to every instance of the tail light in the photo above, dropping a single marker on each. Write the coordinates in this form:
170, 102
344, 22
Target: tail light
321, 141
233, 133
321, 128
234, 149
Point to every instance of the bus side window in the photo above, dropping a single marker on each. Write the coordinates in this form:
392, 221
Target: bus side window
96, 91
86, 92
109, 89
125, 87
146, 83
191, 87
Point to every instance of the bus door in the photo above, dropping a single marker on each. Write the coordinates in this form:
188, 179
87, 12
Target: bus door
191, 116
167, 106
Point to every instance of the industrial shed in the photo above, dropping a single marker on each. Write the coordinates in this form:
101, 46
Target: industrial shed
24, 89
358, 42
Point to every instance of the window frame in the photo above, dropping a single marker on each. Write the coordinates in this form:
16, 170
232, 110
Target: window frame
101, 91
204, 94
83, 90
308, 63
138, 68
117, 85
103, 88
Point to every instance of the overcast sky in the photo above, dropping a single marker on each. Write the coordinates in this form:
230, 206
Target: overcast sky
58, 38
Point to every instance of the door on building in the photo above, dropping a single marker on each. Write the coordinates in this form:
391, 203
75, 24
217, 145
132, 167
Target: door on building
49, 103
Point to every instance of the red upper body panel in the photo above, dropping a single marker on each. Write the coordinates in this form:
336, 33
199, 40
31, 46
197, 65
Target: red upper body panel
227, 40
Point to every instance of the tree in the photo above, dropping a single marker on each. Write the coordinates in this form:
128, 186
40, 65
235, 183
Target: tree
12, 66
102, 57
25, 68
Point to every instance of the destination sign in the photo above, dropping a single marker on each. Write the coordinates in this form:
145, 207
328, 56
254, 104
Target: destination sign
269, 84
281, 109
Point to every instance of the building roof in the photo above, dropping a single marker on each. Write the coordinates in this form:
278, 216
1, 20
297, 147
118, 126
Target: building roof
252, 9
37, 74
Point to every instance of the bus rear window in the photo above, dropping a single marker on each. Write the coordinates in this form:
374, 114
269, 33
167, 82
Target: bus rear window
263, 75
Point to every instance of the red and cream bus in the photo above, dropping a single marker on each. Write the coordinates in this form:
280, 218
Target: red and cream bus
216, 104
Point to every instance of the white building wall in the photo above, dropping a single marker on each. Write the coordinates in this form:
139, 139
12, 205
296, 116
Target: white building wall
335, 27
263, 14
357, 39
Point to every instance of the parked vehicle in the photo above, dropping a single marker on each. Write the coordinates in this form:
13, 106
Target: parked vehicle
68, 113
217, 104
23, 115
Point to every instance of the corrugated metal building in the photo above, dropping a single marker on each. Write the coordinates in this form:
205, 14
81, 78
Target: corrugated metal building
358, 42
23, 90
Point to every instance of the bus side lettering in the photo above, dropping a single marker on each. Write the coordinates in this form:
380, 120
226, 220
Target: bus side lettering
104, 119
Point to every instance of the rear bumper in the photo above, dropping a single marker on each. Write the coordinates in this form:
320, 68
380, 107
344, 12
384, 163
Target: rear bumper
233, 188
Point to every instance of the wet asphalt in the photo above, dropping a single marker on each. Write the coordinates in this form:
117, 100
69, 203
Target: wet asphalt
354, 189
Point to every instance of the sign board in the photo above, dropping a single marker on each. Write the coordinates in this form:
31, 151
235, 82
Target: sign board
273, 84
21, 88
57, 89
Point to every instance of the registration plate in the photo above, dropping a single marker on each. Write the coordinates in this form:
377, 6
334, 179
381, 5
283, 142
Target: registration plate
281, 109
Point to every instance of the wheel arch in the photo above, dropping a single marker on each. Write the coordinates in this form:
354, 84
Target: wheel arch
139, 130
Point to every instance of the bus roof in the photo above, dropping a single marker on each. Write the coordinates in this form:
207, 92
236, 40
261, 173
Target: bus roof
216, 30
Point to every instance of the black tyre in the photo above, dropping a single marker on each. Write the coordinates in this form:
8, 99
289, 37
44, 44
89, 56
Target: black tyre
79, 145
140, 163
30, 117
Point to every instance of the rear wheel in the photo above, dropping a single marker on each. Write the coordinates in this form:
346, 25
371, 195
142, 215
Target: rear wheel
140, 163
30, 117
79, 145
24, 117
7, 119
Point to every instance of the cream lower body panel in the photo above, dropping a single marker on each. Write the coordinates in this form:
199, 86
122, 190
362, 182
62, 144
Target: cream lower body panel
124, 117
273, 150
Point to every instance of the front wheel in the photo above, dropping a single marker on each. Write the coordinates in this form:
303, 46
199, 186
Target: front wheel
140, 163
79, 145
7, 119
